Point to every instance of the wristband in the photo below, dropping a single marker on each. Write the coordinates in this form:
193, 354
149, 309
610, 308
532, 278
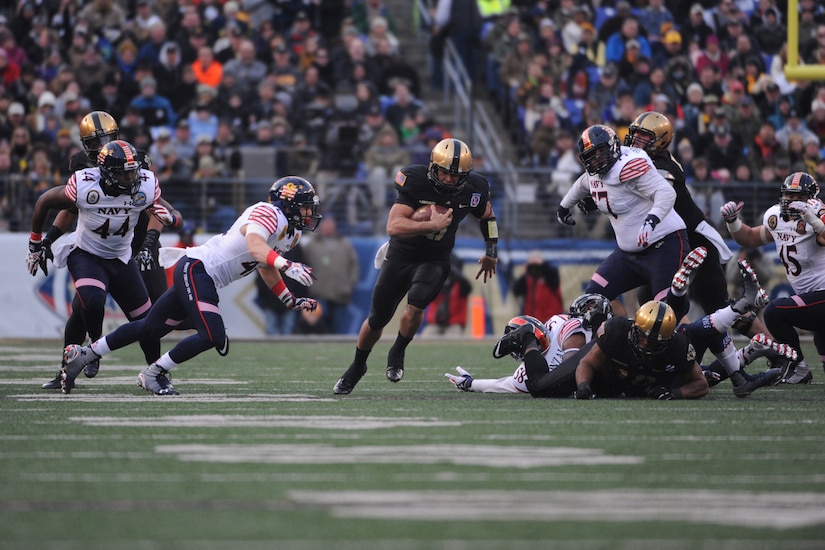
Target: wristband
278, 287
54, 233
35, 237
492, 249
734, 226
276, 260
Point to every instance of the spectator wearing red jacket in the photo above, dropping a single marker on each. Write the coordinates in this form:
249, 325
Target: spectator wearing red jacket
539, 288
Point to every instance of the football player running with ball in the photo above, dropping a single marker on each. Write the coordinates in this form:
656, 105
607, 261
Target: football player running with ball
797, 225
256, 240
416, 261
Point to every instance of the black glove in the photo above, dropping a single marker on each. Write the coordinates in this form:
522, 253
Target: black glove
145, 257
584, 391
587, 205
659, 392
564, 216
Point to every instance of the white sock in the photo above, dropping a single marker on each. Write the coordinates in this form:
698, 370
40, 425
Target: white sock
165, 362
723, 319
728, 358
101, 347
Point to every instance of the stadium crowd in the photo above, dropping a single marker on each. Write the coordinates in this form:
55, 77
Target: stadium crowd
199, 83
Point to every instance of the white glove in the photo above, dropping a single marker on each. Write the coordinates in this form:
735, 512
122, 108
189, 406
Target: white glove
730, 211
809, 210
162, 213
463, 382
299, 272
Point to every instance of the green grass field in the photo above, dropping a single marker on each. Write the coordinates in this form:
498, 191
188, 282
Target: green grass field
258, 453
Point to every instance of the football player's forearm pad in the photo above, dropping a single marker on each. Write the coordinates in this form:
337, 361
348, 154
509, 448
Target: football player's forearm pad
489, 230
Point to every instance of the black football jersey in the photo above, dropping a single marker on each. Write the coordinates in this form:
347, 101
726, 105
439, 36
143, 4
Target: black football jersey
633, 371
415, 190
684, 206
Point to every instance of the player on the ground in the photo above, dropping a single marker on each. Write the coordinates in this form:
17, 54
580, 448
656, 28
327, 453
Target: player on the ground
417, 260
560, 336
647, 356
256, 240
797, 225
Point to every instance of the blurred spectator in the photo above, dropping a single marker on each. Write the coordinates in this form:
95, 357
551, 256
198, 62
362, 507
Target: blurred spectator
620, 45
150, 49
392, 68
208, 70
713, 56
794, 125
695, 31
382, 159
225, 148
604, 92
156, 111
162, 139
816, 50
168, 73
654, 17
379, 32
102, 15
572, 32
403, 105
282, 72
610, 26
326, 70
143, 20
568, 166
9, 70
245, 68
182, 140
447, 313
746, 121
460, 22
21, 150
811, 156
203, 123
723, 152
539, 288
543, 139
335, 264
771, 34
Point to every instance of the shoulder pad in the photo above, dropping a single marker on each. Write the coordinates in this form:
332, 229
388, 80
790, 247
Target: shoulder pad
634, 168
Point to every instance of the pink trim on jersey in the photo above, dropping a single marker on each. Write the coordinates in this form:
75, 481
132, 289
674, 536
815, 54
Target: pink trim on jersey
634, 169
264, 217
90, 282
599, 280
798, 300
71, 188
172, 322
206, 307
141, 310
569, 328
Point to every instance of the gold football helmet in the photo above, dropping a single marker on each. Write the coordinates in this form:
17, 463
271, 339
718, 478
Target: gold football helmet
656, 322
650, 131
96, 130
452, 156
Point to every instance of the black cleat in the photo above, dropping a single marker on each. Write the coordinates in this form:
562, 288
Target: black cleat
347, 382
395, 366
55, 383
514, 341
750, 383
91, 369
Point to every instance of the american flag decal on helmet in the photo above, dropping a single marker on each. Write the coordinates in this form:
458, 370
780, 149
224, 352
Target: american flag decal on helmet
288, 191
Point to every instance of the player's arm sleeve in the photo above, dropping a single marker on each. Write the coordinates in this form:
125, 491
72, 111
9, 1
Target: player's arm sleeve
579, 190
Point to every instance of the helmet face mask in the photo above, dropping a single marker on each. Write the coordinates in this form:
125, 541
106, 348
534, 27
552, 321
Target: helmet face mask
119, 169
653, 327
592, 309
799, 186
292, 194
599, 149
96, 130
539, 331
651, 132
450, 158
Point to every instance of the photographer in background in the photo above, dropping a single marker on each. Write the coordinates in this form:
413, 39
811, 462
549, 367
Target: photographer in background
539, 288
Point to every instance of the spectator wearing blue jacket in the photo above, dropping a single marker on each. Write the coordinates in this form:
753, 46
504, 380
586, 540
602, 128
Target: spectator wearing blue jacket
615, 49
155, 110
